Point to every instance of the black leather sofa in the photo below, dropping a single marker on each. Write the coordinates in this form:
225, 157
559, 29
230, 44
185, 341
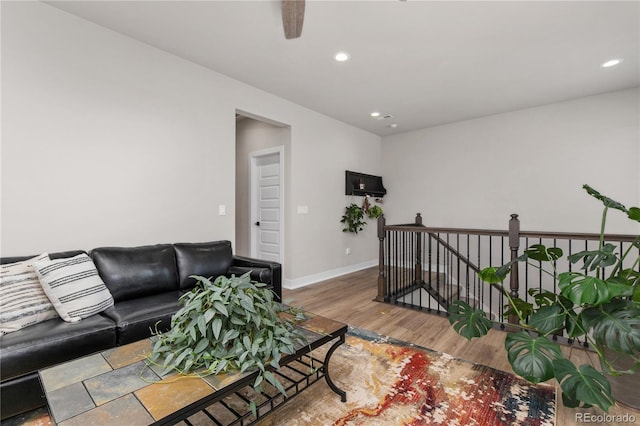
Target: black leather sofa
145, 283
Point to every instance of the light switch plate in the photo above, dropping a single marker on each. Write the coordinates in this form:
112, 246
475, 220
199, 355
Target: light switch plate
222, 210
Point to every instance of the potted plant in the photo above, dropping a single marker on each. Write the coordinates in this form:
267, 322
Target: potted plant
353, 218
228, 324
374, 212
604, 310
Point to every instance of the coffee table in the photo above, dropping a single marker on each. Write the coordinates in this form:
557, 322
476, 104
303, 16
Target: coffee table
118, 386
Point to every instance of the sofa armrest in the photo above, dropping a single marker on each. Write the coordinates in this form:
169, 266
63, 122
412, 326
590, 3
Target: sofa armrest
247, 263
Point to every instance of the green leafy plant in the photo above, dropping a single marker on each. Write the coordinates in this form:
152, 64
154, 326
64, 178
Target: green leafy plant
374, 212
230, 324
353, 218
597, 305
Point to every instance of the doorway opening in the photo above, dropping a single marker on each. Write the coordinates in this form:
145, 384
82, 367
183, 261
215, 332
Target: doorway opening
261, 145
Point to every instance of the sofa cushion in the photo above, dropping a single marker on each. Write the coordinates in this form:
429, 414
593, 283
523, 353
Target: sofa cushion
73, 286
132, 272
53, 341
136, 318
22, 301
210, 259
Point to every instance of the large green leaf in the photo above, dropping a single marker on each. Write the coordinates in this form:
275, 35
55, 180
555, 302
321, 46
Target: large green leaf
584, 385
608, 202
548, 319
505, 269
630, 277
583, 289
543, 297
518, 307
594, 259
531, 358
616, 325
543, 253
634, 214
489, 275
573, 325
467, 321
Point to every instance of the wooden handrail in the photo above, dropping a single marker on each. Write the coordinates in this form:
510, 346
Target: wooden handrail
628, 238
513, 235
458, 255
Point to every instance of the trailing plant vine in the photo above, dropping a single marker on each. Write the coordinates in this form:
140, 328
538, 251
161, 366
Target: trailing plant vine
354, 215
353, 218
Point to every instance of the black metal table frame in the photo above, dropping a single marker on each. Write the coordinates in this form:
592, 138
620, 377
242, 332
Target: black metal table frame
273, 401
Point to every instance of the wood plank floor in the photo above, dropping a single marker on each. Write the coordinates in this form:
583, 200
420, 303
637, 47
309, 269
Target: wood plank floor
349, 299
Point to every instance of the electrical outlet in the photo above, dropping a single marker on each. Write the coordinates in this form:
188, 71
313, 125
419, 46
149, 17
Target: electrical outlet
347, 251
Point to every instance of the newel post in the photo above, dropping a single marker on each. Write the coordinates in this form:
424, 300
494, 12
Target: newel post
417, 277
514, 245
381, 297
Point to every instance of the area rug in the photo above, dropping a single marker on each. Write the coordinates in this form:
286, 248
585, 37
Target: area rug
390, 382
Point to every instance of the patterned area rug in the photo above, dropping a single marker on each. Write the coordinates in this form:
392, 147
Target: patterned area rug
389, 382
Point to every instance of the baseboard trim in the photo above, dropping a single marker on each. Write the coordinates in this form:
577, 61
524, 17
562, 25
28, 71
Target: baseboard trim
323, 276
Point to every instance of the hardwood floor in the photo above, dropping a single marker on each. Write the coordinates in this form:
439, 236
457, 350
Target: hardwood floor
349, 299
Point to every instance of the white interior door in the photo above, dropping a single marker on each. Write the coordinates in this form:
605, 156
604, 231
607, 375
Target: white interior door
266, 206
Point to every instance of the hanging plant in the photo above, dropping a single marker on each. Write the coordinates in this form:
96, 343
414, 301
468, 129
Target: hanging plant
353, 218
374, 212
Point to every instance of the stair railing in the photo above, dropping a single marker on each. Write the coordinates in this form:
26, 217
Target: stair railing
427, 268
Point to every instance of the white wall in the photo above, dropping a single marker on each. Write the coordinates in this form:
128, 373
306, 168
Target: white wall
473, 174
108, 141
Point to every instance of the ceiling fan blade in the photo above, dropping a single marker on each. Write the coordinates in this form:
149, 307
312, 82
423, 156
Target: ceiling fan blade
292, 17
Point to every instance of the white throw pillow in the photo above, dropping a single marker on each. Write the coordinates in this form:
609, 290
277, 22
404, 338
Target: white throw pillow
22, 301
73, 286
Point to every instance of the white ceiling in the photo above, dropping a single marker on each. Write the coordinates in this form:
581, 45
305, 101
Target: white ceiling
424, 62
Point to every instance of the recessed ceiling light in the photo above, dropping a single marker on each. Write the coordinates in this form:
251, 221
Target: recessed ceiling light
342, 56
611, 63
393, 126
375, 114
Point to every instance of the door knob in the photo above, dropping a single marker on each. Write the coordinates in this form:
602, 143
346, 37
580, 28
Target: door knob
257, 223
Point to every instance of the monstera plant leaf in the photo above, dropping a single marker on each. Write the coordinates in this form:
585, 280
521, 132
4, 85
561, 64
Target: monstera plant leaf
634, 214
532, 358
608, 202
490, 275
584, 289
543, 253
467, 321
548, 319
543, 297
518, 307
584, 384
574, 326
616, 325
594, 259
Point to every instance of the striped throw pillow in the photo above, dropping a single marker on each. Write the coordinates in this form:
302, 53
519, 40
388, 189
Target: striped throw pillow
22, 301
73, 286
